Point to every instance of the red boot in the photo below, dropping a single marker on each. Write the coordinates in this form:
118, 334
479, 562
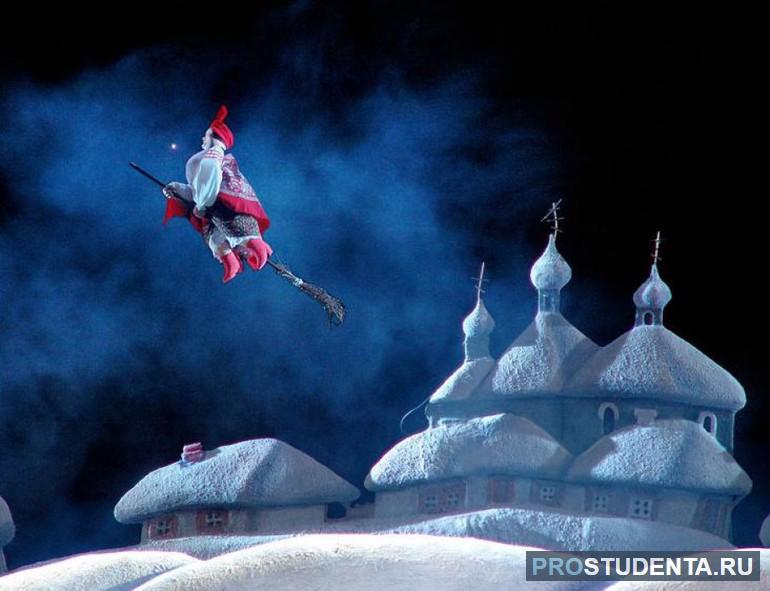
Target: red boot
259, 252
232, 265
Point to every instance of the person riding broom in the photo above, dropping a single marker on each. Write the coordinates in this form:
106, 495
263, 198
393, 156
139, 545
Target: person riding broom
220, 203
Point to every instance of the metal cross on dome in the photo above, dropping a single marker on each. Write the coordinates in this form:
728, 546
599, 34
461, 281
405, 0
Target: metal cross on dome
553, 217
656, 254
480, 282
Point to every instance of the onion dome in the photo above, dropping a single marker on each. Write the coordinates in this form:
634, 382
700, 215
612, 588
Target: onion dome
650, 299
550, 271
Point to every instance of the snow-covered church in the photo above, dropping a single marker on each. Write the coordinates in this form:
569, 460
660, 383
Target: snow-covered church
558, 443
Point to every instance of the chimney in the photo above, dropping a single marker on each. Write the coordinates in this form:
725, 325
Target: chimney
193, 452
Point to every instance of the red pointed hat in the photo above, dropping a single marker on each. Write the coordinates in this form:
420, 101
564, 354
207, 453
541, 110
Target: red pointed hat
219, 127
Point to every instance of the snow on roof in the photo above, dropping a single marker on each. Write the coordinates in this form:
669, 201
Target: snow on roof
550, 271
672, 453
653, 293
495, 444
259, 472
102, 571
7, 528
653, 362
464, 381
479, 322
540, 360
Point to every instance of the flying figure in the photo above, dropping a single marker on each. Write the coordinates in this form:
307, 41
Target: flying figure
220, 203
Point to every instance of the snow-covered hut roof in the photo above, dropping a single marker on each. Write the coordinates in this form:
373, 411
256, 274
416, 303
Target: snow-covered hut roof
540, 359
494, 444
254, 473
550, 271
7, 528
672, 453
653, 362
653, 293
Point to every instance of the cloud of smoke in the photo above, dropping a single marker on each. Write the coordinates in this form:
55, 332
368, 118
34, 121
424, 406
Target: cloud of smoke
119, 325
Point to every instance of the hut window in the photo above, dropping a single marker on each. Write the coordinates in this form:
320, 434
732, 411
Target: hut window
442, 499
212, 520
608, 414
501, 490
163, 527
601, 503
708, 421
430, 503
641, 508
547, 493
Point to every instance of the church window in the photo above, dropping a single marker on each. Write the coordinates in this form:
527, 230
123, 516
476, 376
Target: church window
641, 508
648, 318
708, 421
600, 503
608, 414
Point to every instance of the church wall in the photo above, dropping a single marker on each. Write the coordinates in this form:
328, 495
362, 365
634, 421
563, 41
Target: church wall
583, 426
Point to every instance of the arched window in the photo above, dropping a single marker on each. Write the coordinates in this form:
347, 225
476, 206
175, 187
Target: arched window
708, 421
649, 318
608, 414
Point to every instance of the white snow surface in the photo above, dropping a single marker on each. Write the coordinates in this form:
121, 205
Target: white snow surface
653, 293
7, 528
653, 362
113, 571
540, 360
558, 530
764, 532
258, 472
550, 271
479, 323
363, 563
762, 585
494, 444
671, 453
464, 381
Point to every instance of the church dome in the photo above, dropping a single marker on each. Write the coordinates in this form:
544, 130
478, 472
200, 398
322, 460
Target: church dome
479, 323
550, 271
653, 293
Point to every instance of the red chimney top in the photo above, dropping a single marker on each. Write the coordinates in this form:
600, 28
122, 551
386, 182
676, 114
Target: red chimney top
193, 452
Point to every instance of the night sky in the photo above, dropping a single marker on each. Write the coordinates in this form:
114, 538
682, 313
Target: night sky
395, 147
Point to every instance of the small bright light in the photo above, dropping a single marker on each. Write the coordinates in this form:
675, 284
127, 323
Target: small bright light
173, 146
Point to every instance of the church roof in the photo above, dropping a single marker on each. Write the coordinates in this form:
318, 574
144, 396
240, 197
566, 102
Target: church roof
540, 360
652, 362
494, 444
463, 381
254, 473
672, 453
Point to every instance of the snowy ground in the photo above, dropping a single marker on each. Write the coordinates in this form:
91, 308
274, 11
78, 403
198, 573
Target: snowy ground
543, 529
113, 571
328, 562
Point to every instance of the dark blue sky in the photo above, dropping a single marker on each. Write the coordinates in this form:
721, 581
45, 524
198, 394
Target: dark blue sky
394, 150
